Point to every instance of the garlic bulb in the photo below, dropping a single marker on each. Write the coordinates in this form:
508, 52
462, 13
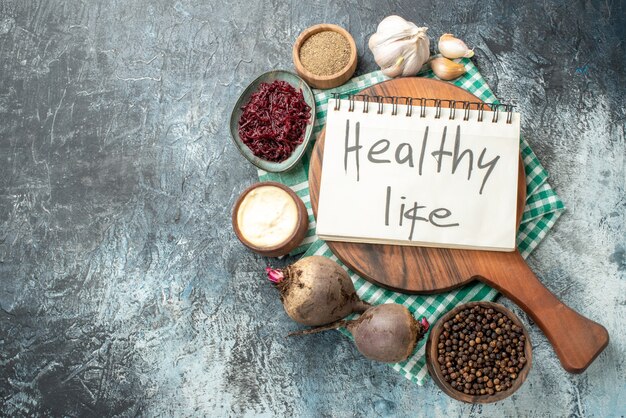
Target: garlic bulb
400, 48
451, 47
446, 69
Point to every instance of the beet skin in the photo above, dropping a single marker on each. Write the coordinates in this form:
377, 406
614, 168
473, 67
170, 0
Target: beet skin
316, 291
386, 333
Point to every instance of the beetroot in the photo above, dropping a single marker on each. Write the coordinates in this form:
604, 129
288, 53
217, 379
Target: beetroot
316, 291
274, 121
386, 333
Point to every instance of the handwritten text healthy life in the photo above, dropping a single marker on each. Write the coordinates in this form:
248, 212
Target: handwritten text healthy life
452, 158
422, 179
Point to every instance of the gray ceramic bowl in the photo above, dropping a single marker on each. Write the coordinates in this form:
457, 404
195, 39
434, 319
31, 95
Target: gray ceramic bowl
269, 77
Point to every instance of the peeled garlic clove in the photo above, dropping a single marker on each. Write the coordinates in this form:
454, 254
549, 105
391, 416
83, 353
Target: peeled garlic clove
446, 69
451, 47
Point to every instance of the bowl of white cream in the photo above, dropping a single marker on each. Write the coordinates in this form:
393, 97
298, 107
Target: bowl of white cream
270, 219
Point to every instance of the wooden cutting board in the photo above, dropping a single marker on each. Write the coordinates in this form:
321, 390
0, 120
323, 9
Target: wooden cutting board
577, 340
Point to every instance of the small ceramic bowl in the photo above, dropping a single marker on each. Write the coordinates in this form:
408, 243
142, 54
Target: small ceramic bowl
432, 361
328, 81
269, 77
290, 243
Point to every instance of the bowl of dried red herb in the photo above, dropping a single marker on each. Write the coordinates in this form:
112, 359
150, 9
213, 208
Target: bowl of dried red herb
479, 352
272, 121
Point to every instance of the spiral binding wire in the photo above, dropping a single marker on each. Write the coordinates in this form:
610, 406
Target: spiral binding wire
411, 102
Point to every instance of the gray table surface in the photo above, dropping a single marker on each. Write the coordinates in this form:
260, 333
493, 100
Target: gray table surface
123, 290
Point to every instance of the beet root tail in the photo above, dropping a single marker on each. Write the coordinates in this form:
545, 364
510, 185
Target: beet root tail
334, 325
360, 306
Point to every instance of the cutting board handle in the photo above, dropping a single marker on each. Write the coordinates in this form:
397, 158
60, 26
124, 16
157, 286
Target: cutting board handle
576, 340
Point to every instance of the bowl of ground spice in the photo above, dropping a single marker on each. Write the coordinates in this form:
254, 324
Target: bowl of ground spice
325, 56
479, 352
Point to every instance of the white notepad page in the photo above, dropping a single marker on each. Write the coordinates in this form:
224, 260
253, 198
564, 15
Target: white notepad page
411, 180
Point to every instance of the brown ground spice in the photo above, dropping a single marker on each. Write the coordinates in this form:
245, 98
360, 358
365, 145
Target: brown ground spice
325, 53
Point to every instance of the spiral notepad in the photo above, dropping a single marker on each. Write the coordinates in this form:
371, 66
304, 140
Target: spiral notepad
419, 171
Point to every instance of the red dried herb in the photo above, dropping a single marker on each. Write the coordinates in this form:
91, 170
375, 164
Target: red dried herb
273, 122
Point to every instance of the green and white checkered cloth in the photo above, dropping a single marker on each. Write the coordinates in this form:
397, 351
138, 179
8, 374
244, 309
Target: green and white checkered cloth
543, 207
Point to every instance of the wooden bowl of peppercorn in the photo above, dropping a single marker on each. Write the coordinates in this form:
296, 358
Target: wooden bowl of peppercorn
479, 352
325, 56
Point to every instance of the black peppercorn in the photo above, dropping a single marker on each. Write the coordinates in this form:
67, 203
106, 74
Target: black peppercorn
480, 351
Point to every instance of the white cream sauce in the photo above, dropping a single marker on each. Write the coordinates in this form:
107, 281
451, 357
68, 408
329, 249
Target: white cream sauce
267, 216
